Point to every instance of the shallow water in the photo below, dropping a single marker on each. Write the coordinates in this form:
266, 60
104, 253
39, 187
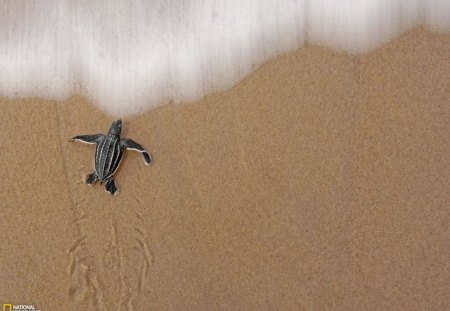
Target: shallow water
130, 56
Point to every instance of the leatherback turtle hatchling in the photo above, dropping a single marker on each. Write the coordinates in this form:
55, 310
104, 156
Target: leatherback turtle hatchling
108, 155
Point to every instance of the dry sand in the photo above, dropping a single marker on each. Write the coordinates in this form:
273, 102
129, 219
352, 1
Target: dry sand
321, 182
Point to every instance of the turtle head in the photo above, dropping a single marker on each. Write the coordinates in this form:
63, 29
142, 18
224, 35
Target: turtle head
116, 127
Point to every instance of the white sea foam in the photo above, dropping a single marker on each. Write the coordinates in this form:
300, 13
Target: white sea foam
128, 56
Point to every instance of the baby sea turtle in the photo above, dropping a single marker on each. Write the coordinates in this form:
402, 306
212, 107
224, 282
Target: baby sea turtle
108, 155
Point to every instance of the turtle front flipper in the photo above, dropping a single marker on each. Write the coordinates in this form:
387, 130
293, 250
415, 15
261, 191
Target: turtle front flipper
88, 139
130, 144
90, 181
111, 187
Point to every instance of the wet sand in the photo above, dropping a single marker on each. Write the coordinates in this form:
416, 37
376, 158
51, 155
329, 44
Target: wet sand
320, 182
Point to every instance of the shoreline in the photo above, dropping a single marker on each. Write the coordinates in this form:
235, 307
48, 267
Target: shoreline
320, 181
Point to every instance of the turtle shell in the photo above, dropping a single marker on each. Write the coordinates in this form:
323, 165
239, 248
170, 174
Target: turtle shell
108, 156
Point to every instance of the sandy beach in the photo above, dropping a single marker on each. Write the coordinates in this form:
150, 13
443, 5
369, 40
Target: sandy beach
320, 182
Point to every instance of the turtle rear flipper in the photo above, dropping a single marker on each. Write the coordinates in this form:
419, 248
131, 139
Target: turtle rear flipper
111, 187
88, 139
91, 179
130, 144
